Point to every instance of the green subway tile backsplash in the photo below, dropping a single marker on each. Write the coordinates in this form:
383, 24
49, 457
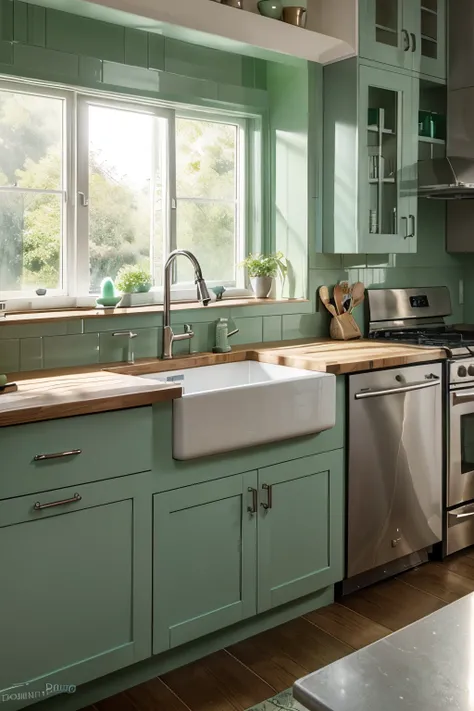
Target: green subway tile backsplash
272, 328
65, 351
9, 355
80, 35
31, 354
115, 348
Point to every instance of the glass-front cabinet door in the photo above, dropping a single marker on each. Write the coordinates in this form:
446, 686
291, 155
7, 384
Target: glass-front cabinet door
427, 25
387, 162
383, 34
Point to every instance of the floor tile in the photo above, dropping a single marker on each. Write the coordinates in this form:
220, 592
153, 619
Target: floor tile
154, 695
392, 604
288, 652
461, 563
439, 581
218, 683
347, 625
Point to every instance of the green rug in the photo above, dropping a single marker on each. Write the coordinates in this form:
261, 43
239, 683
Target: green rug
280, 702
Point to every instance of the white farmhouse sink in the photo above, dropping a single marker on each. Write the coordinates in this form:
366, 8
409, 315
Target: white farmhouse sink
234, 405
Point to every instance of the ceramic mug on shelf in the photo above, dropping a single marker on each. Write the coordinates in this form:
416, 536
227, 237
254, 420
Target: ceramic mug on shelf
270, 8
233, 3
295, 16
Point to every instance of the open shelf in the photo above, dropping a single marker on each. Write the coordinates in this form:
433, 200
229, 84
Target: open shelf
434, 141
214, 25
374, 181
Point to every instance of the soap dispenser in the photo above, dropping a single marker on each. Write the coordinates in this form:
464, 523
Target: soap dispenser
222, 336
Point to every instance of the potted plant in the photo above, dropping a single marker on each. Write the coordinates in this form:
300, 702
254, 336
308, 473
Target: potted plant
134, 282
263, 269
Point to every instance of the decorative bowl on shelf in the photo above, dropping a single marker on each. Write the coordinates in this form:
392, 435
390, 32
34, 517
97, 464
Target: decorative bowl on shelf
233, 3
270, 8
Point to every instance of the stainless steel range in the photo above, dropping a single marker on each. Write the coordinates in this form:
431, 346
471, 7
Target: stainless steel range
418, 316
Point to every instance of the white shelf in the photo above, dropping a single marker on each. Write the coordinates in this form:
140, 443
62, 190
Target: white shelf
376, 129
434, 141
375, 181
214, 25
386, 29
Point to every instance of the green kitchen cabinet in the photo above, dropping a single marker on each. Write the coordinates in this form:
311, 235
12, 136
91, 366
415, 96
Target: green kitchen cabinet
300, 528
205, 546
370, 158
230, 548
406, 34
75, 595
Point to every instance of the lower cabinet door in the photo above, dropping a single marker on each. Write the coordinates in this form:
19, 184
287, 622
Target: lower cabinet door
75, 591
204, 551
300, 528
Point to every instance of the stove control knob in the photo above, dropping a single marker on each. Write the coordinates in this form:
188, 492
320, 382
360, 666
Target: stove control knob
462, 371
470, 370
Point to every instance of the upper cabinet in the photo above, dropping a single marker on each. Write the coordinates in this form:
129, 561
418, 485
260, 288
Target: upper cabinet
408, 34
370, 158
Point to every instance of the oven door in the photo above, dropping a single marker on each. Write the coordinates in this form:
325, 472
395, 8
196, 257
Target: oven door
461, 456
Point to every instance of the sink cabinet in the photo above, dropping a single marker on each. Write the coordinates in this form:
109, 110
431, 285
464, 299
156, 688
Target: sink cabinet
300, 533
206, 539
75, 597
406, 34
370, 157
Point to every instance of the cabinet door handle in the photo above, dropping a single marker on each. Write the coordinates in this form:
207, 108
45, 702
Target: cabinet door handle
57, 455
406, 235
413, 226
253, 509
269, 503
413, 41
406, 39
74, 499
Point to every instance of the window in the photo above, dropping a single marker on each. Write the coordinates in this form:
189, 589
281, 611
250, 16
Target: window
148, 179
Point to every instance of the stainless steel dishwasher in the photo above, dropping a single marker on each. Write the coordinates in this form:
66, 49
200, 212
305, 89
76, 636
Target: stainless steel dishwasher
394, 471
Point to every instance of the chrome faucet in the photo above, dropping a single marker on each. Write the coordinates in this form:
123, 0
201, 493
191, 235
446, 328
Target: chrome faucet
168, 336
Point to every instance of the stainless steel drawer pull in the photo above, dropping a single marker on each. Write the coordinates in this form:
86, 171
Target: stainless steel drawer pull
269, 504
466, 512
57, 455
74, 499
394, 391
253, 509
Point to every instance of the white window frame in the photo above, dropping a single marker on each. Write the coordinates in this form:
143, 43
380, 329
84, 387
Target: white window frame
75, 248
66, 191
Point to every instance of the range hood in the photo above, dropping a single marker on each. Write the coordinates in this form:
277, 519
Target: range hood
452, 178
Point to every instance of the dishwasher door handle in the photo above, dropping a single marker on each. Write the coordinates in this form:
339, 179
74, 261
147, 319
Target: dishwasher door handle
395, 391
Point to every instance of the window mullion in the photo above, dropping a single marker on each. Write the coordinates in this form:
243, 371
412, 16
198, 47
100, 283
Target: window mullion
171, 197
82, 208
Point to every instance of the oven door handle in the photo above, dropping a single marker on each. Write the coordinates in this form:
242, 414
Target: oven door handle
465, 512
460, 398
395, 391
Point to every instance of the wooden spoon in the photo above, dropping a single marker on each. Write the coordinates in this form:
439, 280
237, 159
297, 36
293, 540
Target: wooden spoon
324, 296
358, 292
339, 298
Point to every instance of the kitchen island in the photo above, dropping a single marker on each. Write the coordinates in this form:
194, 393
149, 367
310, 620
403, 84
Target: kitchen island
428, 666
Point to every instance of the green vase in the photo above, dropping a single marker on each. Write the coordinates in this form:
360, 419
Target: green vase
270, 8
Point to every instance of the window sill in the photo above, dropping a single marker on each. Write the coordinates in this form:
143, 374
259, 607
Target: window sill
70, 314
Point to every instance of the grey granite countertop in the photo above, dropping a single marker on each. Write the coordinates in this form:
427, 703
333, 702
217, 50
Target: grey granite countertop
428, 666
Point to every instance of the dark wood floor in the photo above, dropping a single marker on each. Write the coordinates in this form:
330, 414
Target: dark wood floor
251, 671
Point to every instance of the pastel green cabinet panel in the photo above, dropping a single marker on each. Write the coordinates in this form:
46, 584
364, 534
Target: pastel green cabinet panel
430, 24
93, 447
383, 34
204, 544
300, 528
75, 597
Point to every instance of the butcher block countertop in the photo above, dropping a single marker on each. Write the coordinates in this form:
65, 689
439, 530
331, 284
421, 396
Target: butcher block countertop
81, 394
46, 395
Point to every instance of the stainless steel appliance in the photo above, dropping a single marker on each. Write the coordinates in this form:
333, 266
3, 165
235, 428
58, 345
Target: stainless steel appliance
418, 316
395, 468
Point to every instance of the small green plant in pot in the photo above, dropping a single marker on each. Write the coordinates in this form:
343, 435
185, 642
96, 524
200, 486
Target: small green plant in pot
263, 269
133, 280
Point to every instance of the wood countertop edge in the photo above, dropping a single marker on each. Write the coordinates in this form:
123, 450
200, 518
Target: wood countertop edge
73, 408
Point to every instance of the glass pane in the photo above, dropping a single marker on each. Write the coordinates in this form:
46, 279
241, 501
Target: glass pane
125, 216
386, 22
467, 443
30, 241
205, 159
382, 148
31, 141
208, 230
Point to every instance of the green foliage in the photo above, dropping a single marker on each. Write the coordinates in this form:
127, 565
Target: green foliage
266, 265
132, 280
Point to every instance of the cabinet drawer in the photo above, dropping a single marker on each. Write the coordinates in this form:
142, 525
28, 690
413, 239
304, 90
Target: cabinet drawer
74, 450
